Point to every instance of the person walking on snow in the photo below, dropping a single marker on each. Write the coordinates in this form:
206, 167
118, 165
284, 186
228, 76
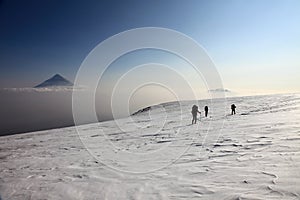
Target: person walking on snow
206, 110
233, 107
194, 113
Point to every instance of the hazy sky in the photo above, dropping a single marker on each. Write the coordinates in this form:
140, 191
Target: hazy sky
255, 44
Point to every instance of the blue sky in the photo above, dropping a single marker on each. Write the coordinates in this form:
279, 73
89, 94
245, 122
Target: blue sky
255, 44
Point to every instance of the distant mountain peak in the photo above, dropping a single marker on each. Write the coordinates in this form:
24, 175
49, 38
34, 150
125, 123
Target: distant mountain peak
57, 76
55, 81
219, 90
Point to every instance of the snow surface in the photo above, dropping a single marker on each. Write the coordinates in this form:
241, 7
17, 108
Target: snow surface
157, 154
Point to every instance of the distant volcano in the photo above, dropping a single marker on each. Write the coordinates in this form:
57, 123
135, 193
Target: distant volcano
55, 81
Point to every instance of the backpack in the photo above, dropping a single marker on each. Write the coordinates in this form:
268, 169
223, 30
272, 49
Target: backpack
194, 109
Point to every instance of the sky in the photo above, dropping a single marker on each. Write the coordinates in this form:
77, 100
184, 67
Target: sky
254, 44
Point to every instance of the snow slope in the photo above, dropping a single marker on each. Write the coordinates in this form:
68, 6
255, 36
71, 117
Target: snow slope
157, 154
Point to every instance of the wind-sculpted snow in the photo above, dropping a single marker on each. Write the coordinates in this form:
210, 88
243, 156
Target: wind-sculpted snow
255, 155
